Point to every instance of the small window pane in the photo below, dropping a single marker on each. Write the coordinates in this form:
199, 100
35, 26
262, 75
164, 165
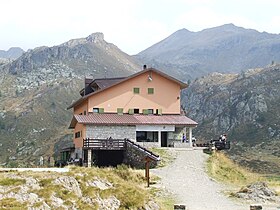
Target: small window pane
150, 90
136, 90
95, 110
120, 110
77, 134
150, 111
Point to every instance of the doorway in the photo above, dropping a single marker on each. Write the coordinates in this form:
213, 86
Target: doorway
163, 139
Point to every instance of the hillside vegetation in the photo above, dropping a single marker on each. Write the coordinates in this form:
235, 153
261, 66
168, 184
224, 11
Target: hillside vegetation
222, 168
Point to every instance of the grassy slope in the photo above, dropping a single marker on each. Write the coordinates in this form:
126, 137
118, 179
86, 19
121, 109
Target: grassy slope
34, 121
129, 186
223, 169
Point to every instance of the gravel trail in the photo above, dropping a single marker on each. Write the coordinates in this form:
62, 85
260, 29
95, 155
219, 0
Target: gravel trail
186, 178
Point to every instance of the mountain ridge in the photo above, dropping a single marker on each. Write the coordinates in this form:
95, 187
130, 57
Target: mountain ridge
226, 48
12, 53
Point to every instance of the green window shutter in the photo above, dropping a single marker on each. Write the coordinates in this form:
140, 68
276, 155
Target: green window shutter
120, 110
145, 111
150, 90
101, 110
136, 90
131, 111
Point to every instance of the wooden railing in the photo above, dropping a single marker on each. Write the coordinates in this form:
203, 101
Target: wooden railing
106, 144
116, 144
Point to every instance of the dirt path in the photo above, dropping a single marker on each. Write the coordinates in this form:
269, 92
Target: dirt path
186, 178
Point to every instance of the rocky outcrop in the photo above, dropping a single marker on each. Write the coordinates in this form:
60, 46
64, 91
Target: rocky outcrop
246, 107
91, 54
258, 192
80, 188
223, 103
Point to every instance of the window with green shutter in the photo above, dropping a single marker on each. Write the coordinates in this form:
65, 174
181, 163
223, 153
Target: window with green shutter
136, 90
98, 110
150, 90
131, 111
120, 110
145, 111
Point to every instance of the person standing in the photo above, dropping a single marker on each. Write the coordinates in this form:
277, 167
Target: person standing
183, 138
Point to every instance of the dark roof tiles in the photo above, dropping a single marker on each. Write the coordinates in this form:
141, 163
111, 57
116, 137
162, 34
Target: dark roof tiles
127, 119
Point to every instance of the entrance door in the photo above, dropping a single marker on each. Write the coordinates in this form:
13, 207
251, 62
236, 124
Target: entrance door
163, 139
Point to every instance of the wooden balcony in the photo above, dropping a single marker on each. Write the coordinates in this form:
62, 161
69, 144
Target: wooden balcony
104, 144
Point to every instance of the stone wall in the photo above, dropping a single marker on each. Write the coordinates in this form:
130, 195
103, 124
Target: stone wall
148, 144
115, 132
136, 158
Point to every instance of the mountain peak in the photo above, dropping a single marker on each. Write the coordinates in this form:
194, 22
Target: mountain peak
92, 38
95, 37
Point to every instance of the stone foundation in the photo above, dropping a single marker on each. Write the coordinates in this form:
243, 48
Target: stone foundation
135, 158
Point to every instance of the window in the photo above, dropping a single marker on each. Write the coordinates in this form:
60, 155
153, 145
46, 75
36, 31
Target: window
150, 111
136, 90
120, 110
150, 90
78, 134
136, 111
159, 111
98, 110
85, 112
145, 111
146, 136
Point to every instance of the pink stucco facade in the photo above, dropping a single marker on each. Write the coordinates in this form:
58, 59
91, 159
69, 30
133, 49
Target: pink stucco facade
166, 95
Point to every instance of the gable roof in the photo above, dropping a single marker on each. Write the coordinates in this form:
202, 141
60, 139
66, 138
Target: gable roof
121, 80
100, 83
127, 119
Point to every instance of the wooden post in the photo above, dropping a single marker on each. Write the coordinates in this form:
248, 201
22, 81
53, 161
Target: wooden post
89, 158
147, 170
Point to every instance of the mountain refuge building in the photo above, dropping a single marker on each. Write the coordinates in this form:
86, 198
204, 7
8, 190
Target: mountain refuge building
142, 110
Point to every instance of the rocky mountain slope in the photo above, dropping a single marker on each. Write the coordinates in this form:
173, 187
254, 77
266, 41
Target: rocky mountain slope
12, 53
80, 188
246, 107
226, 48
36, 88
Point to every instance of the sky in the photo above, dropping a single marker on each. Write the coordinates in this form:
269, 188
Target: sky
132, 25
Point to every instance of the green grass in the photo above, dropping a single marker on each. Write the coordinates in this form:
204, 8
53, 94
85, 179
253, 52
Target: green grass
165, 157
12, 182
223, 169
129, 186
12, 204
